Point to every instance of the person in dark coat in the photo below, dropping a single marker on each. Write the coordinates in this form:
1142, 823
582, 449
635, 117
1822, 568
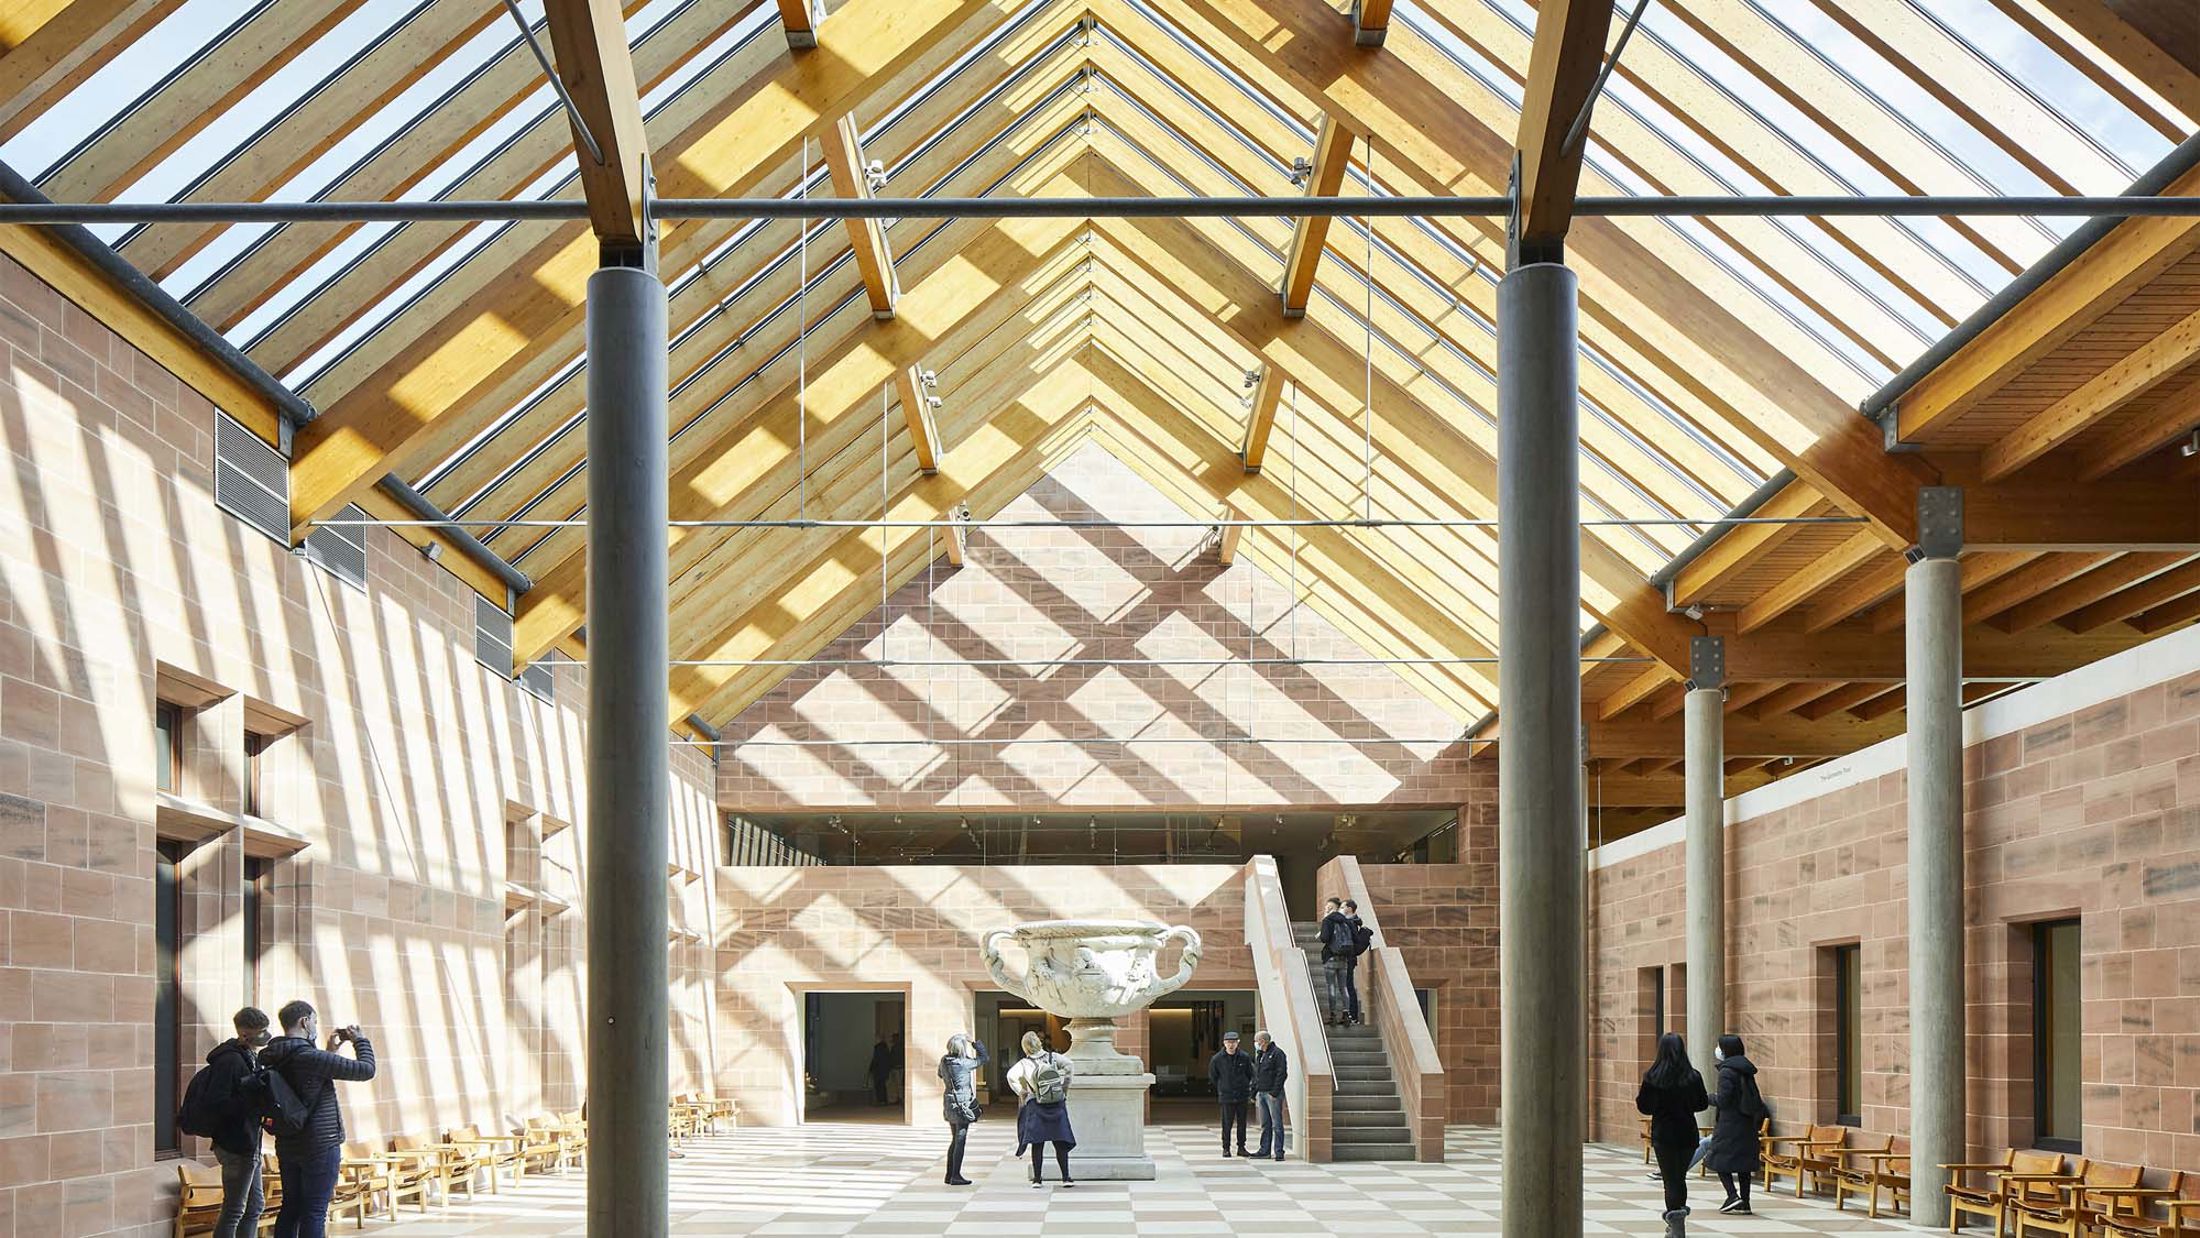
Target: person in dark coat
880, 1069
959, 1102
1735, 1151
1271, 1070
236, 1136
311, 1157
1230, 1070
1671, 1095
1337, 962
1042, 1079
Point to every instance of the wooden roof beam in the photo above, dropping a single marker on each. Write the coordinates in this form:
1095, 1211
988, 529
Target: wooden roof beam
1562, 73
866, 237
2117, 607
1260, 419
2055, 514
1785, 595
913, 385
799, 18
2095, 399
2156, 53
1332, 155
589, 39
1740, 547
2086, 589
1227, 537
2173, 416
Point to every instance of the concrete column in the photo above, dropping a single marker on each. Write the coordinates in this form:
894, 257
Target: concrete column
1704, 712
1933, 637
1539, 797
628, 756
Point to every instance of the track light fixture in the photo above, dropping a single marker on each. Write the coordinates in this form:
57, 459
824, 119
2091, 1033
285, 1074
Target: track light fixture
874, 174
1302, 170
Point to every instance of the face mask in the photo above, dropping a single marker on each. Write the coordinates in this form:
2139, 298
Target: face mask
1718, 1055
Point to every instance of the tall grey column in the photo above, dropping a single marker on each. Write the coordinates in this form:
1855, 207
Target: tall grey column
1539, 799
1933, 642
1704, 762
628, 768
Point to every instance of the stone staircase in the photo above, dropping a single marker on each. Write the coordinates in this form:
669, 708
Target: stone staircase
1367, 1118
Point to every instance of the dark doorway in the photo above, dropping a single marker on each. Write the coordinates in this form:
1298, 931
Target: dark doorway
1184, 1031
854, 1057
1000, 1020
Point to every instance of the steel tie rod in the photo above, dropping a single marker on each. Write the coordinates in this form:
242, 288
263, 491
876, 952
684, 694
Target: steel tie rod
1378, 522
1412, 206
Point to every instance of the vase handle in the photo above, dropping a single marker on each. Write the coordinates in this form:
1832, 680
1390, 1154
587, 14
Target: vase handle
990, 950
1190, 963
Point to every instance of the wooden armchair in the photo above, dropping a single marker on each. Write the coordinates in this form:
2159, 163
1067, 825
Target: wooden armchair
2171, 1214
541, 1150
573, 1136
2076, 1208
417, 1170
372, 1174
1967, 1197
1811, 1155
200, 1204
1869, 1171
493, 1153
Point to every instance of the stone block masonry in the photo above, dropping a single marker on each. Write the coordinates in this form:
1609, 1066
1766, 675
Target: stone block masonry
409, 859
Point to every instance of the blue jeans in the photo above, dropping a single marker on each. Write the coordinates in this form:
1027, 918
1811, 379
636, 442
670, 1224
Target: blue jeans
1271, 1123
1344, 990
242, 1198
309, 1181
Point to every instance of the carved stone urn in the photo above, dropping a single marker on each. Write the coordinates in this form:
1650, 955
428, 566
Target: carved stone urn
1093, 972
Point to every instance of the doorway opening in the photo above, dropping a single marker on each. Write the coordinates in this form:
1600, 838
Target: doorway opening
855, 1057
1001, 1019
1186, 1030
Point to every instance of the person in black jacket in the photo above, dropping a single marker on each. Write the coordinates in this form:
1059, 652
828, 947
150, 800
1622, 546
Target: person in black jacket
1735, 1152
1337, 959
1672, 1095
1231, 1072
311, 1157
1271, 1069
236, 1137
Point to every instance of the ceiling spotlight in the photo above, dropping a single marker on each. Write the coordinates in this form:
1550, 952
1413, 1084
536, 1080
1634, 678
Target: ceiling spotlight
1302, 170
2191, 446
1252, 379
874, 174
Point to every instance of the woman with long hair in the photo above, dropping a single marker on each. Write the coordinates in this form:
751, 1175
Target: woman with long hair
1735, 1152
1042, 1079
959, 1102
1672, 1095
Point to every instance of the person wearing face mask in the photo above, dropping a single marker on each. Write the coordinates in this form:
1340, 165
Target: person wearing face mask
234, 1133
312, 1155
1735, 1152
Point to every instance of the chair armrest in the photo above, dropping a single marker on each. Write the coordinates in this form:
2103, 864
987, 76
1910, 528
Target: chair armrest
2178, 1207
1997, 1167
1785, 1138
2016, 1177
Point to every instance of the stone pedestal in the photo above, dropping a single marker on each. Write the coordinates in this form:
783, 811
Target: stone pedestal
1107, 1106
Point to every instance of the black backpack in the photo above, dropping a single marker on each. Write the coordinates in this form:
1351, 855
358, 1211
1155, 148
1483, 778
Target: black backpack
272, 1102
202, 1108
1363, 939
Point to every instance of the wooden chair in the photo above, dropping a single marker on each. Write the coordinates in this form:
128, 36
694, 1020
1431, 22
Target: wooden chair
1991, 1200
1868, 1171
372, 1175
2076, 1207
200, 1204
1811, 1154
463, 1166
2172, 1215
541, 1150
345, 1199
573, 1136
416, 1170
494, 1153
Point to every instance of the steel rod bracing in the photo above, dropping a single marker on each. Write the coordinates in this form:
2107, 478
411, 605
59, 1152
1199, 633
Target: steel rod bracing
572, 110
1294, 207
1044, 662
964, 741
1380, 522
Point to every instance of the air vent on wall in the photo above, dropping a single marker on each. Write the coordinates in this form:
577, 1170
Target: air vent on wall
540, 680
492, 636
342, 549
251, 479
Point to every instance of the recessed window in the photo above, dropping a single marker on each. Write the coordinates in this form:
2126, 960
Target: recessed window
167, 995
259, 903
167, 745
1848, 1036
2057, 1097
255, 747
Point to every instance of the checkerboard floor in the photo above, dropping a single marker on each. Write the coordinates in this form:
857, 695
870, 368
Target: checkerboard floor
877, 1181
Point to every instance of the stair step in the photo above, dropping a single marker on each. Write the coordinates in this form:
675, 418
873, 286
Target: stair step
1370, 1152
1368, 1119
1346, 1102
1385, 1086
1363, 1074
1367, 1136
1349, 1057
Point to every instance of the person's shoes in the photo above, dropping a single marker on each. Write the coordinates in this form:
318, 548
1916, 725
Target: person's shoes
958, 1182
1676, 1223
1279, 1158
1738, 1206
1069, 1182
1226, 1149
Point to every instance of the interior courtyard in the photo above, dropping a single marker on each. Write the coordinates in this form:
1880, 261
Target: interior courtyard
672, 563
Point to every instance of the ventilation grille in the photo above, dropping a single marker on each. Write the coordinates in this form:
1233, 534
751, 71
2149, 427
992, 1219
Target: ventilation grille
492, 636
540, 681
341, 550
251, 479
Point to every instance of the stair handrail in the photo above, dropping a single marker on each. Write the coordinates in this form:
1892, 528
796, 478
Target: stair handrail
1288, 1005
1396, 1013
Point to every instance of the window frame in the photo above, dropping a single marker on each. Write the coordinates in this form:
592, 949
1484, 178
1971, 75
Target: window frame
1848, 1034
2042, 1034
167, 996
168, 747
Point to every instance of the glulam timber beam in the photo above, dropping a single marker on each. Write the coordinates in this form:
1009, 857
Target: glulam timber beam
2173, 415
2117, 607
589, 40
2086, 589
866, 237
913, 386
1226, 541
1634, 692
2146, 39
1562, 71
2095, 399
2056, 514
799, 19
1260, 418
1332, 155
1740, 547
2130, 256
956, 545
1785, 595
1370, 22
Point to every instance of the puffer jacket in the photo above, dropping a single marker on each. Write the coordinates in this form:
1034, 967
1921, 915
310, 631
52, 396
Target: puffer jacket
1734, 1145
961, 1076
230, 1061
1271, 1069
1232, 1075
313, 1074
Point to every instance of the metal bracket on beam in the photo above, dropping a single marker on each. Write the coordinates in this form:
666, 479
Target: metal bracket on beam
1366, 36
638, 255
1519, 253
1939, 523
1706, 662
1890, 430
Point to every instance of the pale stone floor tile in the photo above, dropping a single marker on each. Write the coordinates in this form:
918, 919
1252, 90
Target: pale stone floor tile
883, 1182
